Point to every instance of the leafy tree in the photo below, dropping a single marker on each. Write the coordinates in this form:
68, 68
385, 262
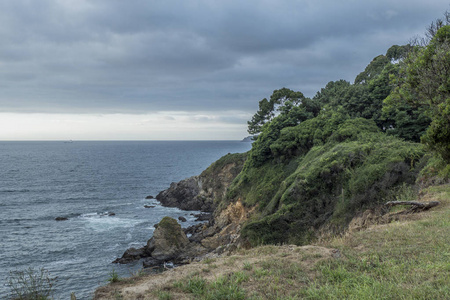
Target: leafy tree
286, 108
375, 67
426, 83
397, 52
263, 115
333, 93
282, 100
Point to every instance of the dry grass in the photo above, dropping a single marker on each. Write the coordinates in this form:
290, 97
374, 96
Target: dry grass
405, 259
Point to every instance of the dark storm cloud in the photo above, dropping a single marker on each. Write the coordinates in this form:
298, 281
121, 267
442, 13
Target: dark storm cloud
146, 56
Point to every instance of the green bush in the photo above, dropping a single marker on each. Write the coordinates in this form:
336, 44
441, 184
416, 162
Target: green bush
113, 276
355, 169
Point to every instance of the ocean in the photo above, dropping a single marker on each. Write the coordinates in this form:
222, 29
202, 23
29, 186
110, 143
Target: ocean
85, 182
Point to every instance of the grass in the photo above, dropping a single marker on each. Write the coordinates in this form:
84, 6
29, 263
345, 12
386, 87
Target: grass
407, 259
113, 276
224, 287
401, 260
31, 284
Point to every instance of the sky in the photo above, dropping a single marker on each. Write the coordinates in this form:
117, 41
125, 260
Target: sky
181, 70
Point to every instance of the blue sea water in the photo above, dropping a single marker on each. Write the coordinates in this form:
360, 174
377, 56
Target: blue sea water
84, 181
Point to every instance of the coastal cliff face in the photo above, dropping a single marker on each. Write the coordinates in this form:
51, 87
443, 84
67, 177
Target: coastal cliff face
293, 196
205, 191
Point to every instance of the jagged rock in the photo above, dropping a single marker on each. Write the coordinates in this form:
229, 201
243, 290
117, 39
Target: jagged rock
150, 262
111, 214
149, 197
169, 243
184, 195
149, 206
193, 229
182, 219
130, 255
61, 219
168, 240
202, 217
203, 192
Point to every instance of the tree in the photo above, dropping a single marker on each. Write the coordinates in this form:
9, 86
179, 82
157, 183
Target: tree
286, 108
426, 83
281, 100
373, 69
397, 52
333, 93
262, 116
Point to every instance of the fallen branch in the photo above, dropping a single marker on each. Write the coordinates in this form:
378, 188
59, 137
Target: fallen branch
415, 205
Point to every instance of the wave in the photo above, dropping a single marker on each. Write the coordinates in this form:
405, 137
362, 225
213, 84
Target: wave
104, 221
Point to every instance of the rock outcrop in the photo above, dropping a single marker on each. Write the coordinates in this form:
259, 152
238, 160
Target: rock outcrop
218, 234
185, 195
169, 243
203, 192
168, 240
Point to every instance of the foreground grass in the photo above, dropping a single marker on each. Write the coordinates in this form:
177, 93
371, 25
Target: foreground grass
407, 259
401, 260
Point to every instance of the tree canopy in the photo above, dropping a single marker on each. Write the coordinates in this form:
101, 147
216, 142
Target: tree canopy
426, 85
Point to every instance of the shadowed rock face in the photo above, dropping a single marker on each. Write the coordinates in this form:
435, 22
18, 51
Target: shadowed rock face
184, 195
203, 192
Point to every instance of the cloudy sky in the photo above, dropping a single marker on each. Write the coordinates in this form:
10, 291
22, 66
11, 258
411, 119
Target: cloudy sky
186, 69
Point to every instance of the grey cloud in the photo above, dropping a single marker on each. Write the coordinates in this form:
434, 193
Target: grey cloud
107, 56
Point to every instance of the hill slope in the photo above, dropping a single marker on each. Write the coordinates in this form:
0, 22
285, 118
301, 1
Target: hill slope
406, 259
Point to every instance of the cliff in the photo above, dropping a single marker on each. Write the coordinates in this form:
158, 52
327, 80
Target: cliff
297, 193
206, 191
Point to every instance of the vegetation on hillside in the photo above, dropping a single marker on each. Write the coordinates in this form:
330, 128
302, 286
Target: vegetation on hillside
316, 162
406, 259
315, 166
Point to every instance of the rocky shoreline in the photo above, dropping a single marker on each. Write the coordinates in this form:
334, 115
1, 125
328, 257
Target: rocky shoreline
218, 234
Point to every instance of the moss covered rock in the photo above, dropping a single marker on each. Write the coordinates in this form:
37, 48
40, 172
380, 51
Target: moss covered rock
168, 240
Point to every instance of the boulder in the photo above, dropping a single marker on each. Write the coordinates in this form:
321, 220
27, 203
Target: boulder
149, 197
168, 241
61, 219
149, 206
182, 219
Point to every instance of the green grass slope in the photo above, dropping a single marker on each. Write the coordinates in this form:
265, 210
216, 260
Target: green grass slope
322, 173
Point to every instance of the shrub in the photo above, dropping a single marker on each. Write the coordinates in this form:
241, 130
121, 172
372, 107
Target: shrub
30, 284
113, 276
